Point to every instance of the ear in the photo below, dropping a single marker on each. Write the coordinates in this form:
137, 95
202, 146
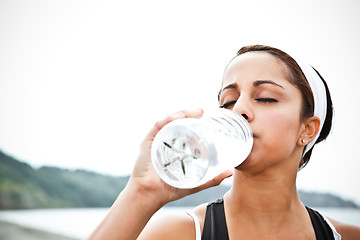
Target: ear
309, 130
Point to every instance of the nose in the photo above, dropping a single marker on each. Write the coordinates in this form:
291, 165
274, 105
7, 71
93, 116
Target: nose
243, 107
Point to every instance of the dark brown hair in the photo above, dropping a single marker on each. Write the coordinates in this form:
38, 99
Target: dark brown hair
298, 79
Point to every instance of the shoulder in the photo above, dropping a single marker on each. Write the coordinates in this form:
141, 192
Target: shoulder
173, 225
169, 226
200, 212
347, 231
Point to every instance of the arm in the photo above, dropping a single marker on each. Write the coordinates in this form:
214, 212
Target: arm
128, 215
170, 226
347, 231
145, 192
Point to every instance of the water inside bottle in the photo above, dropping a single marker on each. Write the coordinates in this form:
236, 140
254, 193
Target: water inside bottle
183, 157
188, 152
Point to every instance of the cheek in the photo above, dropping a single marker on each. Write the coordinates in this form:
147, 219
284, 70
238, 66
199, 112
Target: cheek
282, 130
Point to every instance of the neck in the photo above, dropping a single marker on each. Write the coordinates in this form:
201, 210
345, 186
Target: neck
264, 192
266, 202
266, 189
262, 202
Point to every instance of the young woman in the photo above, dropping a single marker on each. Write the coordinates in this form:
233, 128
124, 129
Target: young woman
289, 109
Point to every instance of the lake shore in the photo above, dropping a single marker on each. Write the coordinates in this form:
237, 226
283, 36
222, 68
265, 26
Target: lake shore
71, 224
11, 231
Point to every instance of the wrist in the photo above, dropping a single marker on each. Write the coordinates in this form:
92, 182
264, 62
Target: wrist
144, 197
128, 215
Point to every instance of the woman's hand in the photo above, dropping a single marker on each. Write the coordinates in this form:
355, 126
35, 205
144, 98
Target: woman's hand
145, 177
145, 192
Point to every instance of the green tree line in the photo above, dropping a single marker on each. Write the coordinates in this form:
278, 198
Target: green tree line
22, 186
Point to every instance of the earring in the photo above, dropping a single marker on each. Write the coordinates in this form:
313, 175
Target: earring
303, 141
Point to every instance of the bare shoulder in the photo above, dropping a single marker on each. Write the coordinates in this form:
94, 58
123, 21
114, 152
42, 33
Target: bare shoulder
173, 225
169, 226
347, 231
200, 212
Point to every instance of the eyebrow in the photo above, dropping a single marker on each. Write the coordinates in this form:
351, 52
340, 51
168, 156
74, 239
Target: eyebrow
255, 84
260, 82
230, 86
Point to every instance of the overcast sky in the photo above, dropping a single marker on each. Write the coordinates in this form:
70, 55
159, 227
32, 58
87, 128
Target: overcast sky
81, 82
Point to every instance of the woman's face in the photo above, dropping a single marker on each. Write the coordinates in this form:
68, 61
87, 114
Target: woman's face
255, 84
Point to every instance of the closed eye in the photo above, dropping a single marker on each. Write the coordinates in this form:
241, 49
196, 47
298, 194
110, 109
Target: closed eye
228, 104
266, 100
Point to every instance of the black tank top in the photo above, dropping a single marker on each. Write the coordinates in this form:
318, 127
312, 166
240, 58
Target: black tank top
215, 224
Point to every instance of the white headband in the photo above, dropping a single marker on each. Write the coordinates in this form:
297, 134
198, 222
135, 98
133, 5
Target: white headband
319, 93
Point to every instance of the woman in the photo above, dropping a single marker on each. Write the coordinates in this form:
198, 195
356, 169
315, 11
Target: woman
287, 116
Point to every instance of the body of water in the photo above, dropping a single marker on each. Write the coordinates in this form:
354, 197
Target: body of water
79, 223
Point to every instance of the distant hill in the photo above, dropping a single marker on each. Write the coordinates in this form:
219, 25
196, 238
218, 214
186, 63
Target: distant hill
22, 186
311, 199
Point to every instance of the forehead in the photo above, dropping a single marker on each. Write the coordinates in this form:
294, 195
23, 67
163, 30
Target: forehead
253, 66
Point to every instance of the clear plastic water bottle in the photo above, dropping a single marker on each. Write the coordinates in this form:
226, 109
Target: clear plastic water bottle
188, 152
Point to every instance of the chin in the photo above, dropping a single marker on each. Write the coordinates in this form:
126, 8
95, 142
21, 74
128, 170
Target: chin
244, 164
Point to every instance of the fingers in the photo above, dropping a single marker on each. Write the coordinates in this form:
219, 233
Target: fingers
178, 115
215, 181
193, 113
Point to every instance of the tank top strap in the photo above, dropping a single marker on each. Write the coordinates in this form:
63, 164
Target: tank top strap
322, 227
215, 223
197, 224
